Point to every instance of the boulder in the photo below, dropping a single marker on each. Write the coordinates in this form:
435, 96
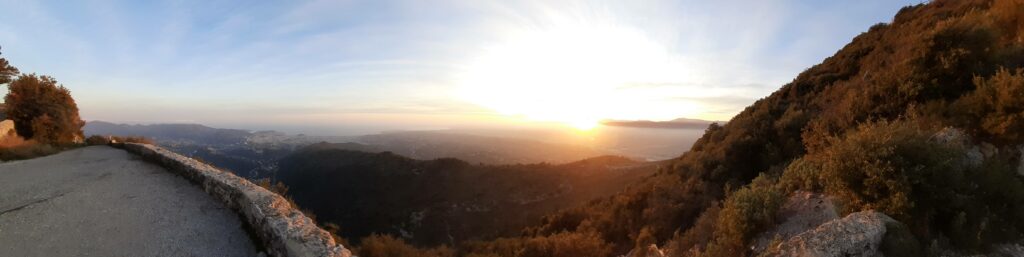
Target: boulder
861, 234
974, 154
7, 128
803, 211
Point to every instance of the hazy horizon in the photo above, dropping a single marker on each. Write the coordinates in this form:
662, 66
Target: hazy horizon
349, 67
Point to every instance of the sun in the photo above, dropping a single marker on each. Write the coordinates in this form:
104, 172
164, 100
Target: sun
583, 125
577, 75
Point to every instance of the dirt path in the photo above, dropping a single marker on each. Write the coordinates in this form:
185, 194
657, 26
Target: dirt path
102, 201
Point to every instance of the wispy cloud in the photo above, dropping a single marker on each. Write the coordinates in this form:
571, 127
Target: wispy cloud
204, 60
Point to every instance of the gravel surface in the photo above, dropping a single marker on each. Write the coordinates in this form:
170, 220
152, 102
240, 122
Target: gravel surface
102, 201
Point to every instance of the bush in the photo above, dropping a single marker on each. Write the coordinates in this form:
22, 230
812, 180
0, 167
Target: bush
888, 166
562, 244
801, 174
896, 167
97, 140
698, 236
567, 244
26, 150
132, 139
745, 213
996, 107
43, 110
388, 246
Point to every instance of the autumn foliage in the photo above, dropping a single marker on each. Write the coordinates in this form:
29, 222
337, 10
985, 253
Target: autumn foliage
43, 110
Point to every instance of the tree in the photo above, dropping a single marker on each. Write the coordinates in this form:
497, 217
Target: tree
43, 110
6, 71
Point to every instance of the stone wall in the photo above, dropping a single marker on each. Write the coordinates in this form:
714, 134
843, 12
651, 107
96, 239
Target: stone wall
283, 230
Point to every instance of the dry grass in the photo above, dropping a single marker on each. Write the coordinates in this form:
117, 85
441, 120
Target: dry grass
11, 140
17, 148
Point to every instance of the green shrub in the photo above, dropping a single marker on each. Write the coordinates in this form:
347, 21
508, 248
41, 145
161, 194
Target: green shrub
880, 165
746, 212
996, 107
898, 168
801, 174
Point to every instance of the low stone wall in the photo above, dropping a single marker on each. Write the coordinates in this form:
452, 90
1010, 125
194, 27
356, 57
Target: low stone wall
283, 230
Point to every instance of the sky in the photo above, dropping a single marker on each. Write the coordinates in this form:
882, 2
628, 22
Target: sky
344, 67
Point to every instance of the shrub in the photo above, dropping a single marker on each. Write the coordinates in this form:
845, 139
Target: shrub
562, 244
896, 167
278, 188
97, 140
26, 150
698, 236
388, 246
38, 105
567, 244
132, 139
801, 174
886, 166
745, 213
996, 107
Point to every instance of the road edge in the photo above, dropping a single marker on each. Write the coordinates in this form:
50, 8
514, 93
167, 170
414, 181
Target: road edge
282, 229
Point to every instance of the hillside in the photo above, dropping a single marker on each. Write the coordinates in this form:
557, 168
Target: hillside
941, 64
680, 123
427, 145
254, 154
442, 201
178, 133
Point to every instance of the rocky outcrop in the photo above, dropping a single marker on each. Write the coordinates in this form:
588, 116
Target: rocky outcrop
974, 154
803, 211
6, 128
860, 234
283, 230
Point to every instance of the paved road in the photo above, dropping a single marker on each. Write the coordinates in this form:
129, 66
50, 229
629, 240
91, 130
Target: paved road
102, 201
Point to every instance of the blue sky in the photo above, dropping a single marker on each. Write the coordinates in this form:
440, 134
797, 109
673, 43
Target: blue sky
331, 66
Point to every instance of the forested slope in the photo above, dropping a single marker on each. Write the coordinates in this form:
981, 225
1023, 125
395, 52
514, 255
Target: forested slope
941, 64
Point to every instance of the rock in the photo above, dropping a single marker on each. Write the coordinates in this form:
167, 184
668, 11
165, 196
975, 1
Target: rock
803, 211
859, 234
7, 128
952, 135
975, 155
651, 251
1010, 250
988, 150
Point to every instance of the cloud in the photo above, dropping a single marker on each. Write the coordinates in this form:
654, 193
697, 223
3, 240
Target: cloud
183, 59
